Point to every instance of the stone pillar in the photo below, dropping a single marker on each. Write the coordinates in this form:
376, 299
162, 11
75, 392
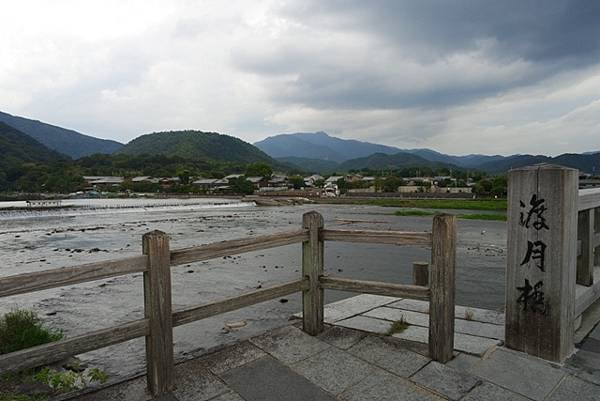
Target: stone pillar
542, 254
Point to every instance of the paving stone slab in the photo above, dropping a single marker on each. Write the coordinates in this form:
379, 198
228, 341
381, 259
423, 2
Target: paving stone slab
447, 381
333, 370
519, 373
341, 337
461, 312
166, 397
232, 357
490, 392
131, 390
228, 397
463, 361
353, 306
267, 379
462, 342
471, 327
384, 386
289, 344
586, 365
193, 382
394, 314
574, 388
389, 355
595, 334
591, 345
367, 324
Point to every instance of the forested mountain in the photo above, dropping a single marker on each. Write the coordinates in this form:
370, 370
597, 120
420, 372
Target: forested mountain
587, 163
310, 165
319, 145
196, 145
381, 161
18, 148
468, 161
65, 141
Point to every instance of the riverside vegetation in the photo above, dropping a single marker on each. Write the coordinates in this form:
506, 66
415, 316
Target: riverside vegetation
20, 329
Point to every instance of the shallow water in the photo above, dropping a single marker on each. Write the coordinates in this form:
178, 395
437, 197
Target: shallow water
58, 238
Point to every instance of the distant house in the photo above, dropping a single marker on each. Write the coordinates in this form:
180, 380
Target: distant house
258, 182
93, 181
145, 178
206, 184
333, 179
278, 181
368, 179
311, 180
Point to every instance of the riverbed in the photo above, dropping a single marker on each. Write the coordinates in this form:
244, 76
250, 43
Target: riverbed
33, 241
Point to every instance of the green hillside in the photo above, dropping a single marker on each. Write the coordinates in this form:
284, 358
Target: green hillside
379, 161
18, 148
310, 165
196, 145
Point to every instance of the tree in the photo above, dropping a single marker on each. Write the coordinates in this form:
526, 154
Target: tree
259, 170
241, 185
184, 176
391, 184
297, 181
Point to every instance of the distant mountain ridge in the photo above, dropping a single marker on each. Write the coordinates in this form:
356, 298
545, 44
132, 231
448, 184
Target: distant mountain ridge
196, 145
315, 149
65, 141
319, 145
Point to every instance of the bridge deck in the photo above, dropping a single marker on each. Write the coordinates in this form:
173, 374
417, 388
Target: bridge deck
344, 363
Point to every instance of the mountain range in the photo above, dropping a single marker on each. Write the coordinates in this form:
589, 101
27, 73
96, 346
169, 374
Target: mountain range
325, 153
30, 140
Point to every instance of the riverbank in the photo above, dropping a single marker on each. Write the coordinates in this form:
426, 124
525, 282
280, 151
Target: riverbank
464, 204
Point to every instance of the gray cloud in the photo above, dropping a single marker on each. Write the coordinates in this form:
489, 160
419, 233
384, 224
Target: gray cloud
467, 50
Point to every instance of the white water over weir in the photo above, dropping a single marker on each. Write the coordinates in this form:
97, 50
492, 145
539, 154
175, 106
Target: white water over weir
77, 207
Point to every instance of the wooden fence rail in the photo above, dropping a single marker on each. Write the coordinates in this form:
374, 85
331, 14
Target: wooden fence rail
159, 320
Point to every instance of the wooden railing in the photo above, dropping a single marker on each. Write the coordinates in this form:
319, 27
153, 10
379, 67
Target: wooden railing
159, 319
588, 250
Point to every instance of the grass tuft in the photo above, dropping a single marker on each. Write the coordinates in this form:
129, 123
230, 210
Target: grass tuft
398, 326
22, 329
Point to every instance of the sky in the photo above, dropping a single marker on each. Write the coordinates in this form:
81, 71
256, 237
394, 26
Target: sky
457, 76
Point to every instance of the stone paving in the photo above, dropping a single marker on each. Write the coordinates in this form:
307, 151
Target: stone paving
353, 361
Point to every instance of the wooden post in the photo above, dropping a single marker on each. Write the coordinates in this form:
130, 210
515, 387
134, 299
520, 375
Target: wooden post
157, 309
597, 230
585, 260
421, 273
542, 253
312, 268
441, 283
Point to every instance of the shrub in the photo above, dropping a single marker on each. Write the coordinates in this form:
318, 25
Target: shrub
22, 329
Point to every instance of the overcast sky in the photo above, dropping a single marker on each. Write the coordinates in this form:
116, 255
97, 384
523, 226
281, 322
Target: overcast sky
456, 76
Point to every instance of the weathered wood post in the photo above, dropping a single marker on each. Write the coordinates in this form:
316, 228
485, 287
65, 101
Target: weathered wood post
542, 252
597, 231
441, 284
157, 309
586, 236
312, 268
421, 273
